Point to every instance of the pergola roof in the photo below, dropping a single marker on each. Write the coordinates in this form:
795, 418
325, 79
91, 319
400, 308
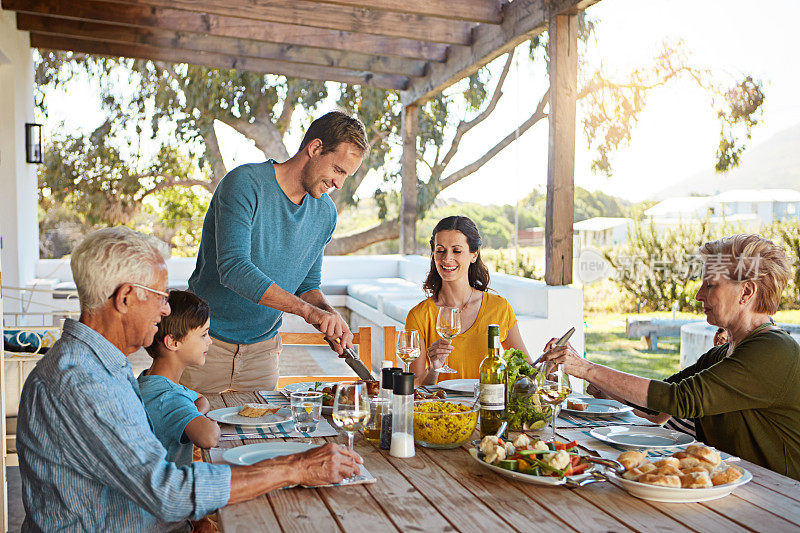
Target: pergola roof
417, 46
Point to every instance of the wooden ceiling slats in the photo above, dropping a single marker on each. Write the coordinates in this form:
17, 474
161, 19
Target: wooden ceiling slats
487, 11
159, 38
237, 27
217, 60
332, 17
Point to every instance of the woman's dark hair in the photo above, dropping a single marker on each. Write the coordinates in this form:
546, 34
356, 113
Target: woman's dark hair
478, 274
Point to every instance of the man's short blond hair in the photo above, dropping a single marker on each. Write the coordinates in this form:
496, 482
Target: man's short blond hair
751, 258
109, 257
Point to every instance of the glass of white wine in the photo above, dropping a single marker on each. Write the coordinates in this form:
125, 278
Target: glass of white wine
351, 408
407, 346
448, 325
553, 388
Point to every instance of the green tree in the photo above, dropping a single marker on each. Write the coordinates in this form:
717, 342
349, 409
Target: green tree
145, 98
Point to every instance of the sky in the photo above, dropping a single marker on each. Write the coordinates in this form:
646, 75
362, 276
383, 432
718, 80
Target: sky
677, 133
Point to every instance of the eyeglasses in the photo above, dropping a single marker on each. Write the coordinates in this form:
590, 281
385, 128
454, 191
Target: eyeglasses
164, 295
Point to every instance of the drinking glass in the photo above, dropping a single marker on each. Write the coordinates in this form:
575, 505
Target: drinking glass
378, 408
448, 325
407, 347
553, 388
306, 407
351, 408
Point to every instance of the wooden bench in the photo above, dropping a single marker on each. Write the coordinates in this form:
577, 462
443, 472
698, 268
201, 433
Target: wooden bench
650, 329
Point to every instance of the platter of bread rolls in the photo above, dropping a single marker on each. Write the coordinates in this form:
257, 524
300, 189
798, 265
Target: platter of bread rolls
697, 474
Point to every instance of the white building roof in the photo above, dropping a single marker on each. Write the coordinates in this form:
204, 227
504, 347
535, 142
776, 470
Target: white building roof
686, 205
758, 195
601, 223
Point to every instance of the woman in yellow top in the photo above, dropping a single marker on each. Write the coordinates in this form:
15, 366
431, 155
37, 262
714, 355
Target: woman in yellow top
458, 278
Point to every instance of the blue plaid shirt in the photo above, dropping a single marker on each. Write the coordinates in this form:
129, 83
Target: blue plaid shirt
88, 457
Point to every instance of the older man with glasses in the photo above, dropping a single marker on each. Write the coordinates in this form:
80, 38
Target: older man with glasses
88, 457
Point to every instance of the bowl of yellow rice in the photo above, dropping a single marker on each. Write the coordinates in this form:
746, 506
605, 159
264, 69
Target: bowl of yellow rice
444, 423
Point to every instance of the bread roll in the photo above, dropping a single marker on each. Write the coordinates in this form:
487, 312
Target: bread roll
667, 470
681, 455
631, 459
695, 469
632, 474
705, 454
721, 476
688, 462
696, 480
577, 405
664, 481
646, 467
668, 461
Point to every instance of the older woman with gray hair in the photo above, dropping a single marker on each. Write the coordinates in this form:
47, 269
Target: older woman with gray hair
744, 395
88, 458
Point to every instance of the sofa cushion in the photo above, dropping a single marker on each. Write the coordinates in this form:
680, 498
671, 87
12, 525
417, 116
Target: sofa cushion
375, 292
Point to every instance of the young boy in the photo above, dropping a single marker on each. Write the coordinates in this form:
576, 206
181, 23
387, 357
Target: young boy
176, 412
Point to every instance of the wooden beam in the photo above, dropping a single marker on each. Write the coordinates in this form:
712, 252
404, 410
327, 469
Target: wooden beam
159, 38
560, 210
522, 20
215, 60
237, 27
408, 195
305, 13
486, 11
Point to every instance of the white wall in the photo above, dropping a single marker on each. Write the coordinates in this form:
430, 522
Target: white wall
18, 201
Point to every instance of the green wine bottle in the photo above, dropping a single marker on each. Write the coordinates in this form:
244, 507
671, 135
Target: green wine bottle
494, 378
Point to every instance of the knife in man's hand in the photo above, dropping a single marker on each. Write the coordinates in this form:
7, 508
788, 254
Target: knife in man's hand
351, 358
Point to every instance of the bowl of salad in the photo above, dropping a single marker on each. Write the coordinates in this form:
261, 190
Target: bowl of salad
531, 461
444, 424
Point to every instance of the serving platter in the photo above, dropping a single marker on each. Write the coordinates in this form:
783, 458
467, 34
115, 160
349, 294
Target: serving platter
309, 385
230, 415
675, 495
598, 407
641, 437
549, 481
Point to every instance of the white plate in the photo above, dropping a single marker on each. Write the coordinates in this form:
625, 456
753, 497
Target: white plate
675, 495
253, 453
527, 478
641, 437
598, 407
459, 385
309, 385
230, 415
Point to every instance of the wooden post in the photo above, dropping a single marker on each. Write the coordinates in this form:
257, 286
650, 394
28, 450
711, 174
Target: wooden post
563, 34
408, 197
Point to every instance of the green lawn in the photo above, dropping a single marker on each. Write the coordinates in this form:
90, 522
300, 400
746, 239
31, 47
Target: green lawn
607, 344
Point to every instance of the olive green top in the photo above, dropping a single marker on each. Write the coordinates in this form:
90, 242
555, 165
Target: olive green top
747, 404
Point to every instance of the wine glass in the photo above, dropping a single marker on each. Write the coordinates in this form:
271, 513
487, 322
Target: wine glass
553, 388
407, 346
448, 325
351, 408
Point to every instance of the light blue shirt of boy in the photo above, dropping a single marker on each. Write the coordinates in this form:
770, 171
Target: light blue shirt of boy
170, 407
254, 236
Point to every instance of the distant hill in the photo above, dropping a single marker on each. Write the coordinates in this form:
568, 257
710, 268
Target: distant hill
774, 164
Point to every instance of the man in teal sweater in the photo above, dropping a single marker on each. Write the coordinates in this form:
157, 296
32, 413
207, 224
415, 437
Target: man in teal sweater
261, 255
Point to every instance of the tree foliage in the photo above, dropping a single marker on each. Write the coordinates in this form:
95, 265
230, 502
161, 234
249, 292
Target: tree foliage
108, 177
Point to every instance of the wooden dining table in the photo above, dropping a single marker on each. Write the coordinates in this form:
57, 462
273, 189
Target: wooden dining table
446, 490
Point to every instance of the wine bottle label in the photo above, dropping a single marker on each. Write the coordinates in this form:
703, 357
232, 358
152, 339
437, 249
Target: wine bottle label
492, 397
494, 343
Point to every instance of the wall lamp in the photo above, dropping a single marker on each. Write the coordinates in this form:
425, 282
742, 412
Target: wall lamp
33, 143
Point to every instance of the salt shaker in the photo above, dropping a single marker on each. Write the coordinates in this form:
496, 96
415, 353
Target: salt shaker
402, 444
